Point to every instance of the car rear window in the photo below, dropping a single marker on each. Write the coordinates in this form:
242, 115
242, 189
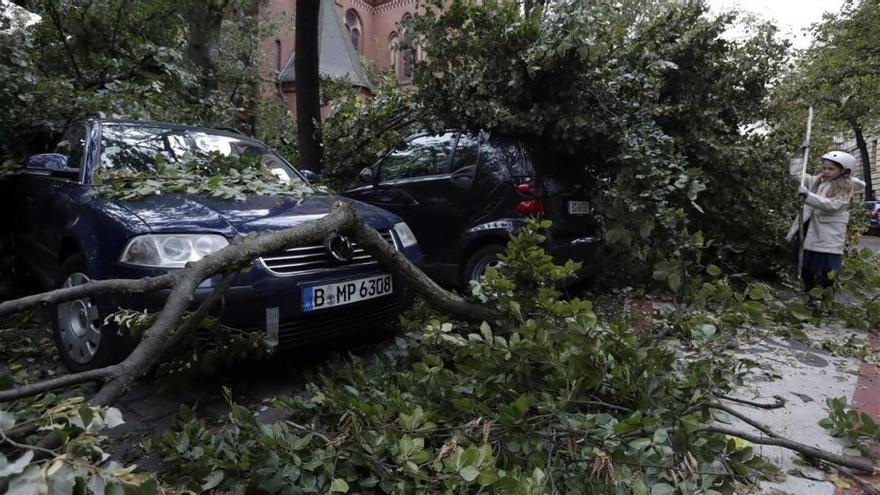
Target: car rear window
501, 157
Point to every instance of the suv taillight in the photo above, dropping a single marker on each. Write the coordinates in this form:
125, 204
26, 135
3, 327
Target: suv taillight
530, 208
532, 205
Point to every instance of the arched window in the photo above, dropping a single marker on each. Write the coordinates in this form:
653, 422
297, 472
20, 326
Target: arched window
277, 54
393, 43
353, 26
408, 50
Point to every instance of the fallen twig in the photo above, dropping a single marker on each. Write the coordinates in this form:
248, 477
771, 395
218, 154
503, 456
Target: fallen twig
751, 422
859, 463
780, 401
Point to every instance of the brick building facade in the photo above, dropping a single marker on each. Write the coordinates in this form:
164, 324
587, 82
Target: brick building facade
351, 31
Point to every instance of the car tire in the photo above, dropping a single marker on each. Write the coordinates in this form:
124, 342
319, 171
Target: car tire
481, 260
83, 341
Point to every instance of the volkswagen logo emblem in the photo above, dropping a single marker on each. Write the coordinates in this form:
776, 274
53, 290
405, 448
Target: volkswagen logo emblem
339, 247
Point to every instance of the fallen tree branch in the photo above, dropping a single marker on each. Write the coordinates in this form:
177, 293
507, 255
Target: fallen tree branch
195, 319
401, 267
779, 401
94, 287
58, 382
859, 463
166, 330
751, 422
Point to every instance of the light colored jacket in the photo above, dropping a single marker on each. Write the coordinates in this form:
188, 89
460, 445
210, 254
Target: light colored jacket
830, 216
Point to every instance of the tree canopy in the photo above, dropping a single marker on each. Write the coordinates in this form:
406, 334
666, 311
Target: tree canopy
651, 97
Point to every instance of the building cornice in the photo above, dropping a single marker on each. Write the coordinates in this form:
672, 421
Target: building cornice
380, 7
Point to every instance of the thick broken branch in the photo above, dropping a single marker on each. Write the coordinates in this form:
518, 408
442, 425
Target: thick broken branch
859, 463
58, 382
94, 287
191, 324
166, 330
400, 266
195, 319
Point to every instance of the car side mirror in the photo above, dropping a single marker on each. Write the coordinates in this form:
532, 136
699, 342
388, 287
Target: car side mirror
310, 176
366, 175
55, 164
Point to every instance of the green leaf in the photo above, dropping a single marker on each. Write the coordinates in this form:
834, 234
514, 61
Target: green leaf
662, 489
7, 420
639, 488
713, 270
87, 415
469, 473
338, 486
17, 466
640, 443
212, 480
113, 417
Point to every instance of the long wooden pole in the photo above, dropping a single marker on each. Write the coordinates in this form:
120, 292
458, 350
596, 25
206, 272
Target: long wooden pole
805, 158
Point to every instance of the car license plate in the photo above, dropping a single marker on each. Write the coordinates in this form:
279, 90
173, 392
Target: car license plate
578, 207
317, 297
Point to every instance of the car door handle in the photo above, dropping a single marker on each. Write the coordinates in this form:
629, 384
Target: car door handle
464, 177
395, 197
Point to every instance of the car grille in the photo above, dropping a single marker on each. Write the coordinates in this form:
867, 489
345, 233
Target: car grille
315, 257
319, 327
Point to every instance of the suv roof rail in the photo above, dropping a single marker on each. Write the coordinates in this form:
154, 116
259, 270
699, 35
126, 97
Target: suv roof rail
230, 129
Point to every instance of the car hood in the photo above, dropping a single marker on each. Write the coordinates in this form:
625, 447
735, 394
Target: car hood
192, 213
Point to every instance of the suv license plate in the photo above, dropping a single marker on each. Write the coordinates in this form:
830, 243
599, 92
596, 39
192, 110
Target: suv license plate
578, 207
317, 297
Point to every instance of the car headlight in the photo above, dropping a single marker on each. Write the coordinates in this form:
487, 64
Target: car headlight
171, 250
406, 236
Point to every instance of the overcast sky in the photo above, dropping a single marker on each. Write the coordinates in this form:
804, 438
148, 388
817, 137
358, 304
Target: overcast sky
791, 16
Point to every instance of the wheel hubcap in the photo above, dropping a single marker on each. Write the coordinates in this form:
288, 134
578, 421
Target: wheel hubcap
79, 324
483, 266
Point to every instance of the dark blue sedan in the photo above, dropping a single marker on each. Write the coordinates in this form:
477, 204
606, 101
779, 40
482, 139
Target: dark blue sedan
69, 229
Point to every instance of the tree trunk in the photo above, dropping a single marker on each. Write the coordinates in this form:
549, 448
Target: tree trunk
308, 85
866, 161
204, 20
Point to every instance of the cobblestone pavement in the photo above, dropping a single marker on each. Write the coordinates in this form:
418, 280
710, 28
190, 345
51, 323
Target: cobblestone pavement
149, 410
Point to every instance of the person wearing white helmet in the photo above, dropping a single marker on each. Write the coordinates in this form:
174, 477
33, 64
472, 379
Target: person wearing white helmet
826, 214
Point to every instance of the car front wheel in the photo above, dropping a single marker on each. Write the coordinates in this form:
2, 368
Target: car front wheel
80, 336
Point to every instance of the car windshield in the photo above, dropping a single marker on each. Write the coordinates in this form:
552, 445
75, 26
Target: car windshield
136, 149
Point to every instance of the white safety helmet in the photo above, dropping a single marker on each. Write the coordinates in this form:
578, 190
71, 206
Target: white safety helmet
842, 158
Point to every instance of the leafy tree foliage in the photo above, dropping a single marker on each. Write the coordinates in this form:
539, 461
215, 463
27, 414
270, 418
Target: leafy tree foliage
840, 73
546, 398
650, 98
360, 128
126, 59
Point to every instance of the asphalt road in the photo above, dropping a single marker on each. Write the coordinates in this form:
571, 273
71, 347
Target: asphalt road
871, 241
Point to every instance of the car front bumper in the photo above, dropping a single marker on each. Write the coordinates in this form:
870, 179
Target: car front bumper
261, 301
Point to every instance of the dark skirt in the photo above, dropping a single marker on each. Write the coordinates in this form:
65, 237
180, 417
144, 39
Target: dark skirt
817, 266
822, 263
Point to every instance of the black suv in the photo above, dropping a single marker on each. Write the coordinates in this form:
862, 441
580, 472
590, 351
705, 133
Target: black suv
464, 195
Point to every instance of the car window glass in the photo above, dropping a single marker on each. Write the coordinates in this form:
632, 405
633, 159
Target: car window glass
424, 155
499, 159
74, 146
466, 152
